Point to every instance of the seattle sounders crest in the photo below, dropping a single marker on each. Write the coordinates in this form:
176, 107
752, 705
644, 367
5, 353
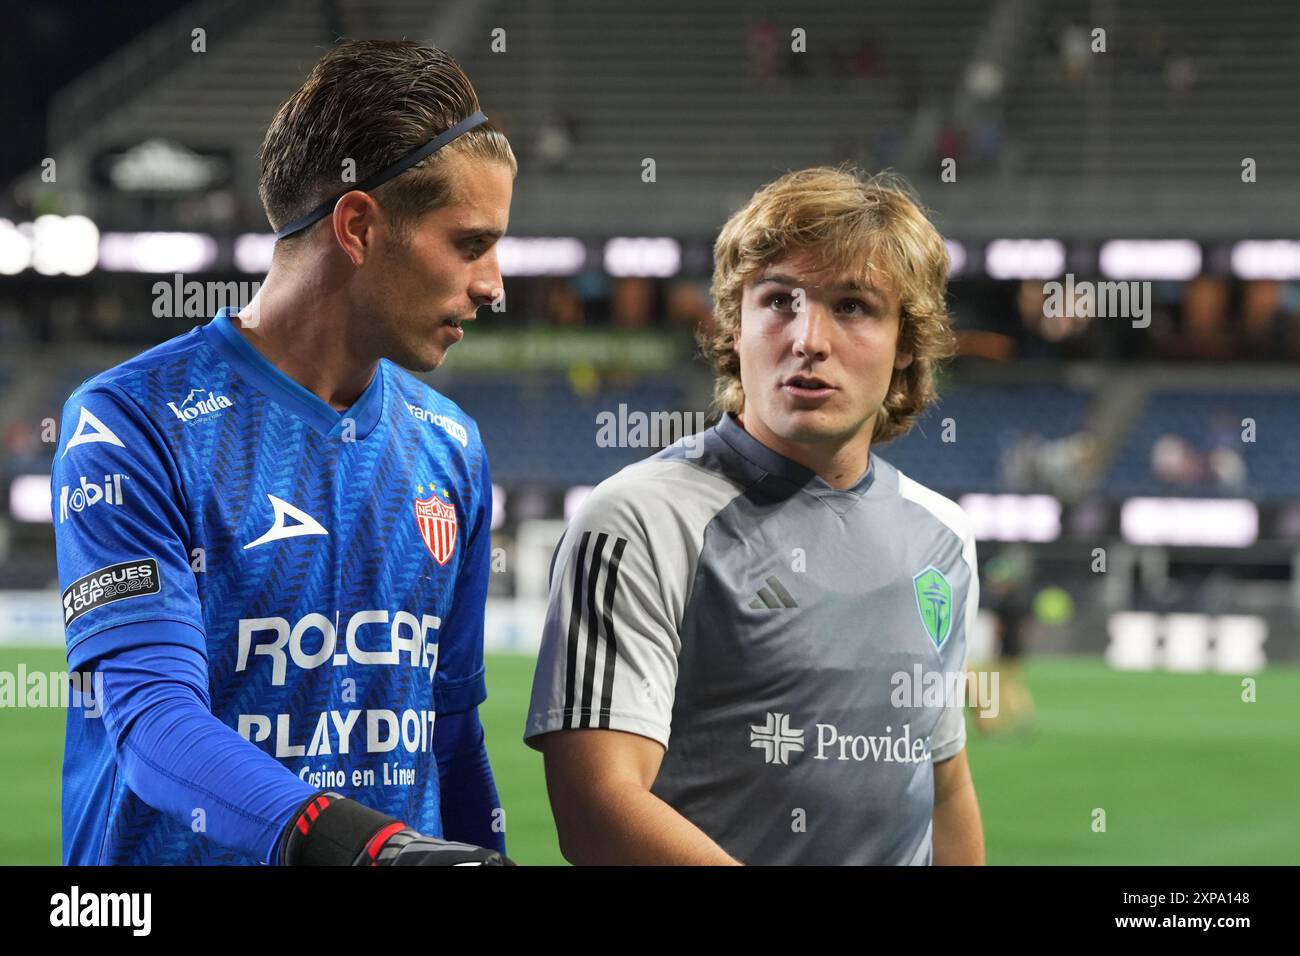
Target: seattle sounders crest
934, 602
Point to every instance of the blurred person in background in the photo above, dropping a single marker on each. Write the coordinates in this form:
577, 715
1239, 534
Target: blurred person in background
632, 303
1263, 330
1203, 330
1007, 597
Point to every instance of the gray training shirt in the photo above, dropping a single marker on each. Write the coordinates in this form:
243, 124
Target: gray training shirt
795, 648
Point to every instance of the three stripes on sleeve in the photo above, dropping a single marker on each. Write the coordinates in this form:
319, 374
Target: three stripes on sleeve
591, 623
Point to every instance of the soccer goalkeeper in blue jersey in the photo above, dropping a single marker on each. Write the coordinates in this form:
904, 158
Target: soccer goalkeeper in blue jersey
284, 586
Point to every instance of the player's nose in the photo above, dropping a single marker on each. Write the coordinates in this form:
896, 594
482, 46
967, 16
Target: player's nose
487, 287
811, 339
485, 291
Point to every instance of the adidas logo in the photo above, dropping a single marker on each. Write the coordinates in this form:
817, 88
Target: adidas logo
772, 597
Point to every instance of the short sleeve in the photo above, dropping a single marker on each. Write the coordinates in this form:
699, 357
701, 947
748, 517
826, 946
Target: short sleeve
119, 525
949, 735
610, 643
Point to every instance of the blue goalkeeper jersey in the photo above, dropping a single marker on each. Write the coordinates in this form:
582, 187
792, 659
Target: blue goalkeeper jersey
331, 568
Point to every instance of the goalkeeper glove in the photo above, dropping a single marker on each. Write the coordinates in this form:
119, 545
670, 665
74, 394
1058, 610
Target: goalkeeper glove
331, 830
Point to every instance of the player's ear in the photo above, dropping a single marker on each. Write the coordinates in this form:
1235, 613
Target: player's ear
355, 218
902, 360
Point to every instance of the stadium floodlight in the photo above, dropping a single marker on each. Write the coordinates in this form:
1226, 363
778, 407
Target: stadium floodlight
52, 245
956, 256
157, 252
1198, 522
253, 250
1150, 259
15, 249
30, 499
659, 257
1013, 517
1266, 259
1024, 258
541, 255
64, 245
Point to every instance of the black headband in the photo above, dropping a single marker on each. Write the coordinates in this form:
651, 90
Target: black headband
384, 175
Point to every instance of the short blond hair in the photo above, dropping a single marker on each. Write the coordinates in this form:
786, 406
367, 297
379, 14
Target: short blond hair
859, 226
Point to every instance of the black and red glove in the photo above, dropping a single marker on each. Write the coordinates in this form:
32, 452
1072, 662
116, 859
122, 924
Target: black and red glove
331, 830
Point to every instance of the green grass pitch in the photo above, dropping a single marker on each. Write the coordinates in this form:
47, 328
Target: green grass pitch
1186, 772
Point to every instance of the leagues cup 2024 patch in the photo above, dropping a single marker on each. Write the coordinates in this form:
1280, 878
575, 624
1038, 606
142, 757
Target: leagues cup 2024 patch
113, 583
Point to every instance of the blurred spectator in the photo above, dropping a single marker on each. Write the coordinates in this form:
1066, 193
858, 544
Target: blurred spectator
985, 81
1062, 467
1176, 461
986, 145
556, 139
1042, 334
866, 59
563, 307
764, 39
885, 146
1006, 595
1226, 467
1224, 463
1203, 331
632, 303
1030, 299
1075, 53
950, 143
1261, 321
1223, 429
1180, 74
688, 306
22, 444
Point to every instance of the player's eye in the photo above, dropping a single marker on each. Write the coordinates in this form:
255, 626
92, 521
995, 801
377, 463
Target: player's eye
475, 248
855, 307
779, 301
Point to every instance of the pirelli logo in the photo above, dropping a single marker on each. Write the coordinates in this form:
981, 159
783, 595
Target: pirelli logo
113, 583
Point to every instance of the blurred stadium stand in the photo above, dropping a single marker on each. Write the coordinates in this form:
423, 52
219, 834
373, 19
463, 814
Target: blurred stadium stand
1008, 88
1190, 443
538, 431
992, 425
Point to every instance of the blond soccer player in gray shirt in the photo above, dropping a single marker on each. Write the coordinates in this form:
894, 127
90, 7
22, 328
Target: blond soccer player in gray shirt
746, 631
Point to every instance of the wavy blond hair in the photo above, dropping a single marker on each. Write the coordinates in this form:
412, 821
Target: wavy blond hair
859, 226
